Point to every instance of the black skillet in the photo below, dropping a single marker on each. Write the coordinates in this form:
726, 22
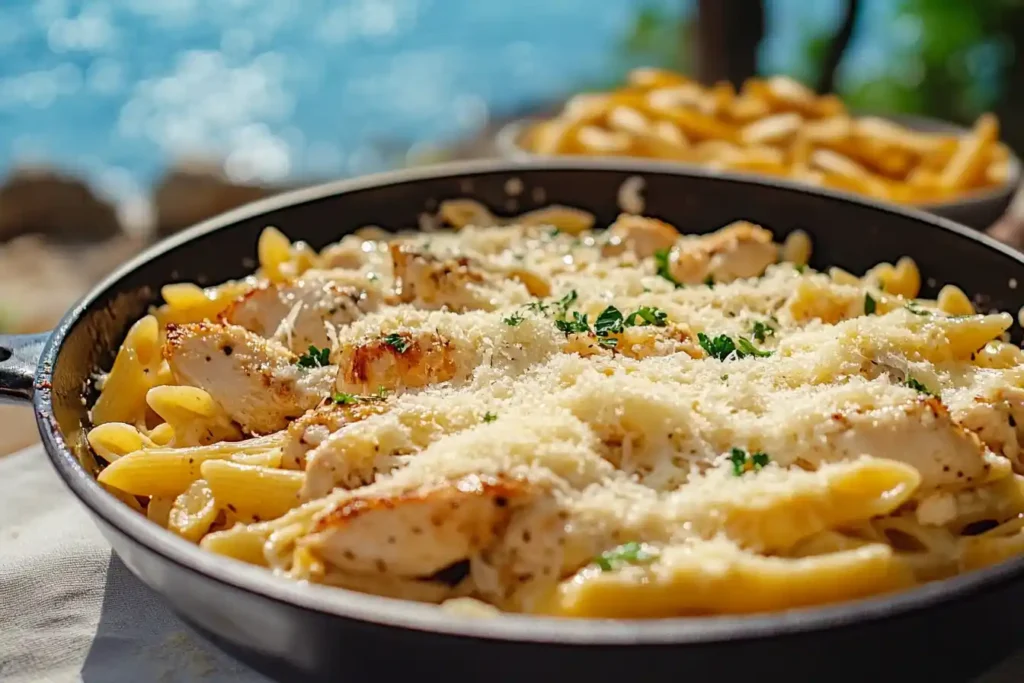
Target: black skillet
946, 631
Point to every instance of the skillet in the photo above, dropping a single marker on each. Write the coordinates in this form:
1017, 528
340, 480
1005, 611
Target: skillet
946, 631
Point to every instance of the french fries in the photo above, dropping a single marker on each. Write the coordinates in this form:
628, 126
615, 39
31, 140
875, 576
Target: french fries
777, 127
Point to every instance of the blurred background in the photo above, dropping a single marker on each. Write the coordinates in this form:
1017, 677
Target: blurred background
122, 121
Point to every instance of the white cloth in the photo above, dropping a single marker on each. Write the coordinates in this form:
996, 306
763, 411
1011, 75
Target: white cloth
70, 611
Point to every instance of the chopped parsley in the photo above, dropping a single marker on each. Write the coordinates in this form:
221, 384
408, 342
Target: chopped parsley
869, 304
513, 320
801, 268
578, 325
396, 341
490, 417
627, 553
381, 393
538, 306
566, 301
709, 281
649, 314
762, 330
723, 347
314, 358
663, 269
343, 399
917, 386
739, 459
916, 309
609, 322
747, 348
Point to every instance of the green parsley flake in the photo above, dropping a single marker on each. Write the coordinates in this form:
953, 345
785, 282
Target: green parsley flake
578, 325
661, 261
566, 301
608, 342
343, 399
869, 305
723, 347
649, 314
747, 348
625, 554
490, 417
917, 386
709, 281
538, 306
609, 322
761, 331
513, 320
739, 459
314, 358
396, 341
916, 309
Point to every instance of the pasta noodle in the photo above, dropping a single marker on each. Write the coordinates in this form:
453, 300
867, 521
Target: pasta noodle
534, 415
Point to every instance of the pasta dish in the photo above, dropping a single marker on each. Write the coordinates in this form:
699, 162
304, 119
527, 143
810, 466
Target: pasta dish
536, 415
776, 127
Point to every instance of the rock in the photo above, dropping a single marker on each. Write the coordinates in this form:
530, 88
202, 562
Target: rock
57, 206
193, 191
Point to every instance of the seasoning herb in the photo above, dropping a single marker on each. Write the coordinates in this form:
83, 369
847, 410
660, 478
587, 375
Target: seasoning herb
869, 305
513, 320
609, 322
627, 553
916, 309
649, 314
396, 341
578, 325
761, 330
739, 459
490, 417
661, 261
917, 386
747, 348
721, 347
709, 281
314, 358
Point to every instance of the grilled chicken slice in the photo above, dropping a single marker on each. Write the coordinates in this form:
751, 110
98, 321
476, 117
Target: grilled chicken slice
998, 420
643, 236
295, 312
397, 360
921, 434
739, 250
255, 381
415, 534
313, 428
458, 284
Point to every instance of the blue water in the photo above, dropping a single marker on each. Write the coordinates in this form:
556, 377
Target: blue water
118, 88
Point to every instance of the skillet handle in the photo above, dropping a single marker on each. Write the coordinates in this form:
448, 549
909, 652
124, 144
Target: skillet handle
19, 356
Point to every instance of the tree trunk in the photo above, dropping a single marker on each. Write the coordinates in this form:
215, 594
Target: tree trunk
728, 35
827, 81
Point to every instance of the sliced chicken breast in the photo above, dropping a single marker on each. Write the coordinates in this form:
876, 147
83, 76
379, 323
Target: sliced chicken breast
415, 534
921, 434
313, 428
392, 361
257, 382
295, 312
739, 250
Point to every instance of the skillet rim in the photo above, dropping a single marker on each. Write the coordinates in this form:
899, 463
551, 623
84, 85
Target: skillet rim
392, 612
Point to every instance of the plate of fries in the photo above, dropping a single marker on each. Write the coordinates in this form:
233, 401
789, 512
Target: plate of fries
779, 127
